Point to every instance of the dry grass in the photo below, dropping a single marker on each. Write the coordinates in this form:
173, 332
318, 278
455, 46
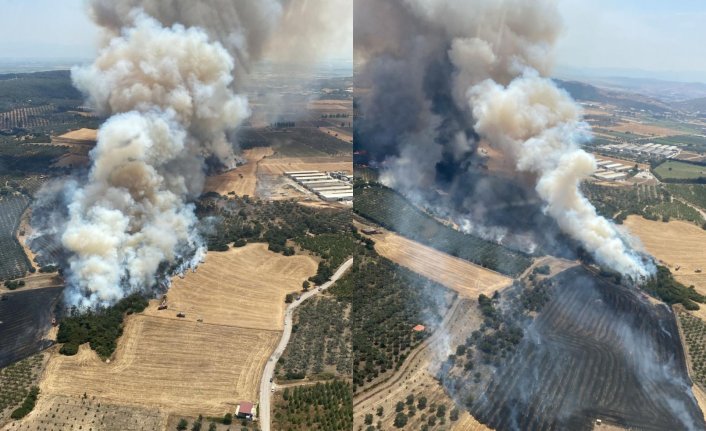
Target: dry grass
644, 129
241, 180
179, 366
58, 413
331, 105
81, 135
677, 243
338, 133
280, 165
242, 287
467, 279
183, 366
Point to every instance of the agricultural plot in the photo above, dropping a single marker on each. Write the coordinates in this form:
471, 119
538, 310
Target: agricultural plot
673, 170
13, 261
694, 330
15, 383
695, 194
320, 342
26, 318
58, 413
25, 118
467, 279
596, 351
649, 201
295, 142
182, 367
390, 300
677, 244
392, 211
241, 180
323, 406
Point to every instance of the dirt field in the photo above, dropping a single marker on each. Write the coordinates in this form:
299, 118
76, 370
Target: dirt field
58, 413
675, 243
280, 165
331, 105
338, 133
185, 367
644, 129
241, 180
182, 366
242, 287
467, 279
81, 135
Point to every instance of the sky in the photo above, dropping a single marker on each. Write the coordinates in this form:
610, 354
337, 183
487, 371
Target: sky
46, 29
664, 37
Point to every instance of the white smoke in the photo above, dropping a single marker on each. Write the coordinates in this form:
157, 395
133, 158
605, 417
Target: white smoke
540, 127
481, 67
168, 91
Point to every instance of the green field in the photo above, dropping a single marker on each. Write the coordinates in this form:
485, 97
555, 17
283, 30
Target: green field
675, 170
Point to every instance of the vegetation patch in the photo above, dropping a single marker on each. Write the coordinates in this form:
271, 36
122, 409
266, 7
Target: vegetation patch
694, 330
17, 384
101, 327
323, 406
679, 171
665, 287
388, 208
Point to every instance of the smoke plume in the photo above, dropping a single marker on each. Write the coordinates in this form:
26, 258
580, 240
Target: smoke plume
442, 77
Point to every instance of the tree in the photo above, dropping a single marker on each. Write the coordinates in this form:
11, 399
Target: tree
181, 426
399, 407
441, 411
368, 419
197, 424
228, 419
400, 420
454, 414
379, 411
422, 403
212, 426
305, 286
410, 399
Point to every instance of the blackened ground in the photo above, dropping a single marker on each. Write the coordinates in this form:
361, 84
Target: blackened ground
595, 351
26, 317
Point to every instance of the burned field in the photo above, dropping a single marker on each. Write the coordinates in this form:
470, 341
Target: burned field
26, 317
595, 351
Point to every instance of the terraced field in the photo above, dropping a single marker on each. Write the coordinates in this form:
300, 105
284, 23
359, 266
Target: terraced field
595, 351
13, 261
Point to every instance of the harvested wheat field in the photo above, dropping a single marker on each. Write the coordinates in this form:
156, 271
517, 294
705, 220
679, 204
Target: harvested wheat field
58, 413
280, 165
467, 279
241, 180
676, 243
244, 287
179, 366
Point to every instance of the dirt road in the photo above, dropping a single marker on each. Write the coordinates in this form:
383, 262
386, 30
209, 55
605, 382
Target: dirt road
265, 384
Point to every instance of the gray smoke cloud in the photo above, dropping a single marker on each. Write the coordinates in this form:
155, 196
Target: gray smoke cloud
460, 73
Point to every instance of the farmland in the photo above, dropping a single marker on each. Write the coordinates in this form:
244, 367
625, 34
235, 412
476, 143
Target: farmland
587, 337
241, 180
295, 142
323, 406
224, 286
695, 194
320, 342
391, 300
13, 261
16, 381
649, 201
676, 244
26, 317
677, 171
392, 211
465, 278
185, 367
694, 330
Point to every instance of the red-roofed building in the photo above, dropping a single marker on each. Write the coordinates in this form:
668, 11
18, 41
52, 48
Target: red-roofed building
245, 410
419, 328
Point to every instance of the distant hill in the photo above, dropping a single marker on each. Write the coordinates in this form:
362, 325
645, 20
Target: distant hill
38, 88
584, 92
693, 105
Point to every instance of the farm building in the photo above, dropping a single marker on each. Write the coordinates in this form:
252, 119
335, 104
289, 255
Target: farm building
611, 176
245, 410
419, 328
333, 187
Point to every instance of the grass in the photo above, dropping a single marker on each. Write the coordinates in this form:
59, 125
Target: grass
676, 170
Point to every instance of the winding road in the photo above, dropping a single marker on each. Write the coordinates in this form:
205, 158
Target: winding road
265, 385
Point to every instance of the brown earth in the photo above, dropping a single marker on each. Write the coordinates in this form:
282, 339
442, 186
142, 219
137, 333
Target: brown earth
241, 180
644, 129
178, 366
677, 243
280, 165
467, 279
244, 287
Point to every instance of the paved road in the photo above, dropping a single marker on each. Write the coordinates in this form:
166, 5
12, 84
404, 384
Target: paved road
265, 385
